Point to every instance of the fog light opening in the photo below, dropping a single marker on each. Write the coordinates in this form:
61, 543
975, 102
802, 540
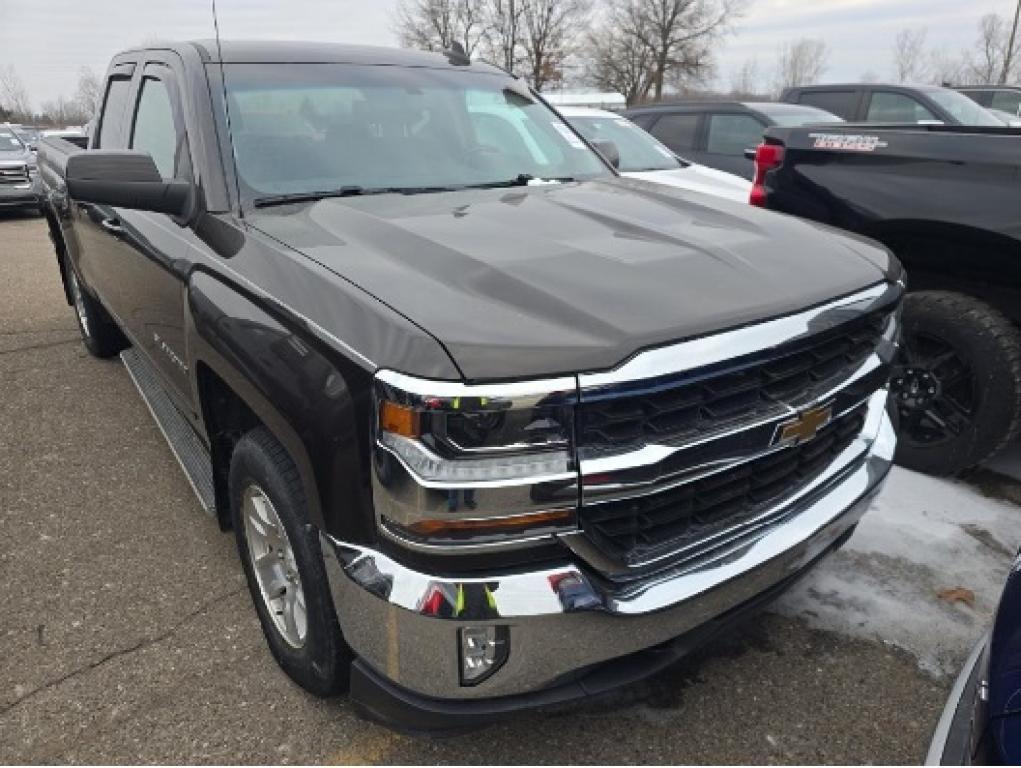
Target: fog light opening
483, 650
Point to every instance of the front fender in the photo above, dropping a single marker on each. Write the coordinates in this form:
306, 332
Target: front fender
315, 402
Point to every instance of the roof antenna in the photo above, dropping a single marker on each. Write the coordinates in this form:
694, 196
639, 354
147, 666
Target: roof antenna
456, 55
226, 102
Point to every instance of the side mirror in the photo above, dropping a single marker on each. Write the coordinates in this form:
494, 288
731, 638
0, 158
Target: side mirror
749, 154
33, 147
608, 150
125, 179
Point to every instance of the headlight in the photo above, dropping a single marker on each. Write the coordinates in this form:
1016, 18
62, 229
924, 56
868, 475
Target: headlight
462, 464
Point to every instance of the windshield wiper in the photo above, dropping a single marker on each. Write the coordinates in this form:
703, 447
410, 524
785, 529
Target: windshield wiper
304, 197
348, 191
521, 180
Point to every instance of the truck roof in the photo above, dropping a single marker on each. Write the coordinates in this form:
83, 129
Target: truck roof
876, 85
282, 52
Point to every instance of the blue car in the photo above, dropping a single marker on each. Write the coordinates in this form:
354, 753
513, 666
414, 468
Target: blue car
981, 723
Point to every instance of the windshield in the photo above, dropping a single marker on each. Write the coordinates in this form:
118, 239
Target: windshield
27, 135
962, 109
9, 142
639, 151
306, 128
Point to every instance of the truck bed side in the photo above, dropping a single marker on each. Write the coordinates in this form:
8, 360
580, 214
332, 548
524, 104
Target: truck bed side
940, 197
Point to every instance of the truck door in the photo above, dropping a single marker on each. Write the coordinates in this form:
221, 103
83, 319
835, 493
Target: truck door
91, 222
149, 274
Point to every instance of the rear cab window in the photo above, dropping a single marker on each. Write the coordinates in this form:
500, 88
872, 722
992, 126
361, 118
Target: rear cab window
842, 103
111, 120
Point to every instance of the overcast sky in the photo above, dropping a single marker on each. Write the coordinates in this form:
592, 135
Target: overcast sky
48, 41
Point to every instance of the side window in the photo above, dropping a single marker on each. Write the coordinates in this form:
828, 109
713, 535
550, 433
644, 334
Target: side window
643, 121
114, 102
1008, 101
985, 98
889, 107
154, 130
678, 132
840, 103
733, 134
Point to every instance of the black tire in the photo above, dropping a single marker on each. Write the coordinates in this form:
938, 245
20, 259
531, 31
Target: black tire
956, 389
321, 664
99, 332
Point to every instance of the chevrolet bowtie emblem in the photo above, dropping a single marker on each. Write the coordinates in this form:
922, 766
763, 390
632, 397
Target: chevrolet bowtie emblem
805, 427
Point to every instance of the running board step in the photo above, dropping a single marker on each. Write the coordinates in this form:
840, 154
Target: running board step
188, 449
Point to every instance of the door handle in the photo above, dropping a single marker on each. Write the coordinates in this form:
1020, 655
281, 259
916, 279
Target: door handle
113, 226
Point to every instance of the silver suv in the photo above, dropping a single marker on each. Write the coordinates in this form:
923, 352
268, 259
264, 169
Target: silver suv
19, 175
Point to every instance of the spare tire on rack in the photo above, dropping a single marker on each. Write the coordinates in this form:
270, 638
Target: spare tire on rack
955, 393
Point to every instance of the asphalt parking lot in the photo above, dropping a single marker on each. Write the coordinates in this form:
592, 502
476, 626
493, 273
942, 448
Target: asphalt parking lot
127, 633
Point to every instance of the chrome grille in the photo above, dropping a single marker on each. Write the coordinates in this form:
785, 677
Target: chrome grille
681, 447
679, 519
715, 400
14, 175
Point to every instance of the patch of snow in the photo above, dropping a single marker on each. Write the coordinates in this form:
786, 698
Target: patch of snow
921, 535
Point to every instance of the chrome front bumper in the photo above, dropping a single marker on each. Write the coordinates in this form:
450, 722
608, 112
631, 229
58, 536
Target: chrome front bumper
404, 624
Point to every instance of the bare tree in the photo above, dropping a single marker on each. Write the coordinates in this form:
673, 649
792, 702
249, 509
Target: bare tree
909, 55
434, 25
89, 92
947, 69
678, 33
801, 62
62, 111
1011, 50
13, 95
504, 21
552, 28
990, 51
619, 62
745, 82
869, 76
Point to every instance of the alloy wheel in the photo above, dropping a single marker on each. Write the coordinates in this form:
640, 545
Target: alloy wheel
933, 390
276, 572
79, 303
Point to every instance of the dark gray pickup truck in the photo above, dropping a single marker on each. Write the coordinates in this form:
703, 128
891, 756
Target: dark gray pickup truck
494, 427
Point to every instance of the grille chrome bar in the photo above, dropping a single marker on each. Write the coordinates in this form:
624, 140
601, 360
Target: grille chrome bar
14, 175
655, 467
719, 348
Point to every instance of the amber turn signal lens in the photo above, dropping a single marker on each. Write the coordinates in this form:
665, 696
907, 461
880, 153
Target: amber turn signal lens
399, 419
492, 525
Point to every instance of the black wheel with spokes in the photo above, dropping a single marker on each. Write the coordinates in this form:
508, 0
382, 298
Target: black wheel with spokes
956, 387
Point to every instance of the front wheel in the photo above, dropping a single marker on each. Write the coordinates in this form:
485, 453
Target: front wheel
283, 563
956, 387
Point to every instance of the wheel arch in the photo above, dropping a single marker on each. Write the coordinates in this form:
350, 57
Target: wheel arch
59, 247
251, 369
957, 257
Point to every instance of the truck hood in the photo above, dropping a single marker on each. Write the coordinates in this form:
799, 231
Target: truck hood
543, 280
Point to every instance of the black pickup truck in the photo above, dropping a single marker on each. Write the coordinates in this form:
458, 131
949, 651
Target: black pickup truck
944, 199
494, 427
